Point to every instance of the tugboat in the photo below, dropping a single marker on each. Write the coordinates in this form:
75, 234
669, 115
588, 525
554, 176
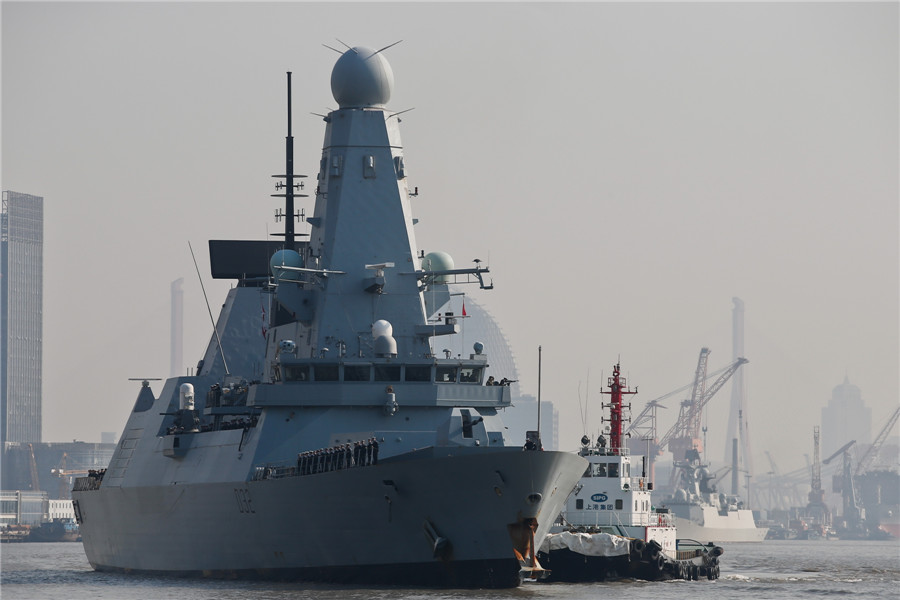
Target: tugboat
610, 529
322, 437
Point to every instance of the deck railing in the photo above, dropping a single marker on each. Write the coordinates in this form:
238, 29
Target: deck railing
610, 518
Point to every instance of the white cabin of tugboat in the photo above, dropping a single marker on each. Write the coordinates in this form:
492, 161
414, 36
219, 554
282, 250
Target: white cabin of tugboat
614, 496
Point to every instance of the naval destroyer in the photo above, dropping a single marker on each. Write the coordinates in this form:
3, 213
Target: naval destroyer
322, 437
706, 514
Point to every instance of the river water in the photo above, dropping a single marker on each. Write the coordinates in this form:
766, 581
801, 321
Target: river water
772, 569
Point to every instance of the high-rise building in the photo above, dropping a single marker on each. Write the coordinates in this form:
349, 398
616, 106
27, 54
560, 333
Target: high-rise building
21, 288
845, 418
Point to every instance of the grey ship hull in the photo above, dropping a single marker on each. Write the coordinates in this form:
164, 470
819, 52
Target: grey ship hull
705, 523
363, 524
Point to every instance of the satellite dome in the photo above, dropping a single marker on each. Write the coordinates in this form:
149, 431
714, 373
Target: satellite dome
285, 258
438, 261
362, 77
385, 344
381, 328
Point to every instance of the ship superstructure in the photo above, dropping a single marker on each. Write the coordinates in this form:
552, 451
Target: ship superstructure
705, 513
322, 437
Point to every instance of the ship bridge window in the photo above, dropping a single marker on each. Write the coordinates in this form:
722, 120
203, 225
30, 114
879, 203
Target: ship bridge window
579, 504
387, 372
418, 372
588, 472
470, 375
619, 504
296, 372
613, 469
600, 470
356, 372
445, 374
325, 372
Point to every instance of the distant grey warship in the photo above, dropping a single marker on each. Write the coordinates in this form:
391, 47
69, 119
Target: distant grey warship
327, 440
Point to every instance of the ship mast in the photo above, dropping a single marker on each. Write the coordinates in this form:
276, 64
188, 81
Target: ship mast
288, 184
289, 176
617, 388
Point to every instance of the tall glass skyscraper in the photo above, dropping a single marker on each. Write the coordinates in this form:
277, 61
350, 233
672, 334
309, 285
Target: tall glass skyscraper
21, 288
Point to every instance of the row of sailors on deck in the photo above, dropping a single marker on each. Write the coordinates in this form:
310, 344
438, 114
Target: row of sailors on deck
343, 456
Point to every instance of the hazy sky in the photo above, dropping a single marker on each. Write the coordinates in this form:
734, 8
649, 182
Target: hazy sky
626, 169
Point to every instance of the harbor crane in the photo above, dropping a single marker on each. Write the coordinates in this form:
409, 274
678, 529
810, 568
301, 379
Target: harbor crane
870, 482
852, 515
817, 512
685, 433
32, 467
779, 494
65, 477
872, 453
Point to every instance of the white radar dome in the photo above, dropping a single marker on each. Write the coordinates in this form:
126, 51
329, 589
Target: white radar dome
362, 78
285, 258
385, 345
438, 261
382, 328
